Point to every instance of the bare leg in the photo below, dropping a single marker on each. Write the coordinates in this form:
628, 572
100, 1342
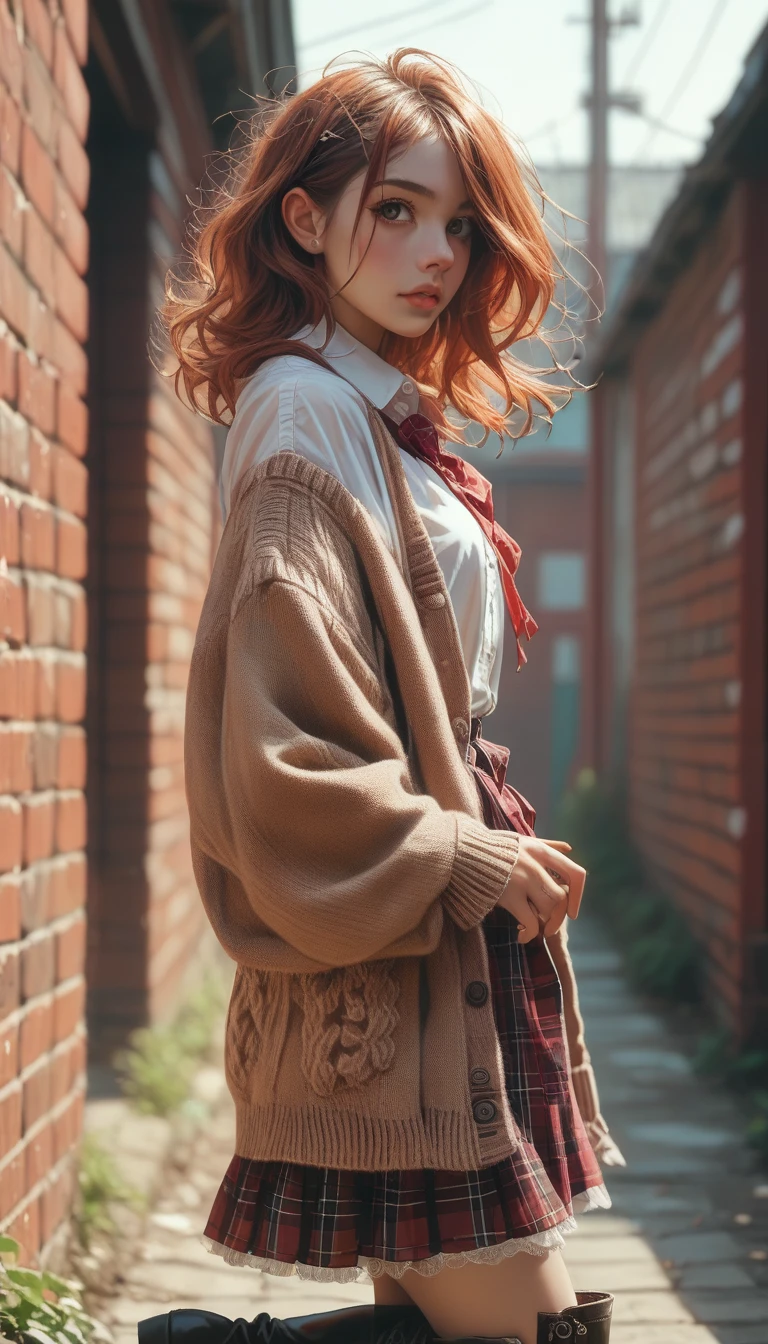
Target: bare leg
389, 1292
490, 1301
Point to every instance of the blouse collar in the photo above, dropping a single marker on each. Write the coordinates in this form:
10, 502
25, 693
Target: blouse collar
382, 383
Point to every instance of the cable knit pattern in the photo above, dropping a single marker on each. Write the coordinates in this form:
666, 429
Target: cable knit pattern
349, 1017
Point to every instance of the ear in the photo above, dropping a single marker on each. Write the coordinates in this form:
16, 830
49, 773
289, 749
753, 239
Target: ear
303, 219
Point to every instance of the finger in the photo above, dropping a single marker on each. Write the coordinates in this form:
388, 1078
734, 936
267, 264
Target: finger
562, 845
528, 923
545, 894
572, 873
554, 921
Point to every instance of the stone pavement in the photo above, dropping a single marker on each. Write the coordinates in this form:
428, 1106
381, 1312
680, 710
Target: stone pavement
684, 1248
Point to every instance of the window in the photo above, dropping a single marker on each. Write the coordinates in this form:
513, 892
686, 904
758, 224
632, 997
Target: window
561, 581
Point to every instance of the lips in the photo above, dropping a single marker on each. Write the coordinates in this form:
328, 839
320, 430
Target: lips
422, 298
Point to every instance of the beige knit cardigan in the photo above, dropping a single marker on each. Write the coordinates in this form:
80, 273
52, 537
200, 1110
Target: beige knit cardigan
347, 874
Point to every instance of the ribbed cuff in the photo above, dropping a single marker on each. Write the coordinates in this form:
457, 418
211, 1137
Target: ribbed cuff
484, 860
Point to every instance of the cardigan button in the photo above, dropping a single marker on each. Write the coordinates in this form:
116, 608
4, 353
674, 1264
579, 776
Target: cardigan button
461, 729
484, 1111
479, 1077
476, 993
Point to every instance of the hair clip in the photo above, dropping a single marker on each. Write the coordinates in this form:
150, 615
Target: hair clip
327, 135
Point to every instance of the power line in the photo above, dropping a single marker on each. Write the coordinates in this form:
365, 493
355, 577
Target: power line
342, 33
659, 13
717, 12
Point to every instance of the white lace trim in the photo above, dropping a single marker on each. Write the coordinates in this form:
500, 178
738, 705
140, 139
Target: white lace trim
368, 1267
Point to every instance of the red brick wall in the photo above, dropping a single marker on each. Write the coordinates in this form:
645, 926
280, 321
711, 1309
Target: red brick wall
43, 493
686, 799
106, 535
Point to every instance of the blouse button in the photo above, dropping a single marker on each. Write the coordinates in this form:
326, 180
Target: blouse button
407, 387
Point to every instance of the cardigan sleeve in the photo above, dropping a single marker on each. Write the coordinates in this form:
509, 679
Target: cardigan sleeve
336, 851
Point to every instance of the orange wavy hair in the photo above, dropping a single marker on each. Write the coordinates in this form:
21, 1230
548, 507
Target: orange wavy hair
252, 286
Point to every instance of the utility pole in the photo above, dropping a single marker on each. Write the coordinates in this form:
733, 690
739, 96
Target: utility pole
598, 141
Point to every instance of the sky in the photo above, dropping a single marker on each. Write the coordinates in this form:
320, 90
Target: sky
529, 62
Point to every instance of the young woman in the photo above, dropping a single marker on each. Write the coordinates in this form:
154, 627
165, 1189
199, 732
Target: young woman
407, 1102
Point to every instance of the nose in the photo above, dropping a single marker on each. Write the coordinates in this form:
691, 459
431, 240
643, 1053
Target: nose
437, 251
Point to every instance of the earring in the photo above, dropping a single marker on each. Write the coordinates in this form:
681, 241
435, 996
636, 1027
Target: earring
315, 242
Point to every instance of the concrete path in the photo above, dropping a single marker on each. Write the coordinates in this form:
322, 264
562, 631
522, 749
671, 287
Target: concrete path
684, 1248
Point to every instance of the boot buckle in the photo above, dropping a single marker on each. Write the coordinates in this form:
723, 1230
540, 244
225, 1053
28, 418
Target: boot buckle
567, 1328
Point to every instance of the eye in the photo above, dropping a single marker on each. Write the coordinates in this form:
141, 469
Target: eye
466, 227
392, 204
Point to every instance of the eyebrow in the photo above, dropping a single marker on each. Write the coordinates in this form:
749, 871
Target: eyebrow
418, 188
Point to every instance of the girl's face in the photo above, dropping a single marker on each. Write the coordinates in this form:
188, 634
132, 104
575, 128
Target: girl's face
416, 228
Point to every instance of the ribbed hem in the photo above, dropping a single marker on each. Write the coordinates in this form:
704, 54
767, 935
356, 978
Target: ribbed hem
315, 1135
484, 860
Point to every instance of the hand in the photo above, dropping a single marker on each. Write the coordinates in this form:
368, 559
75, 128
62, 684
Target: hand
544, 886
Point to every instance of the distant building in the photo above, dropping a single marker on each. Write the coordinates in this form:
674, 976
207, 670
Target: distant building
677, 703
539, 487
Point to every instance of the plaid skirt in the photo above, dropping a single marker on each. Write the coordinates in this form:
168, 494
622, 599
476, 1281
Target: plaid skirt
328, 1224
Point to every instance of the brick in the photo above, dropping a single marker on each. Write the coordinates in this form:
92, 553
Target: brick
10, 54
44, 752
43, 686
36, 1033
10, 133
10, 929
35, 897
70, 951
56, 1202
70, 228
38, 536
9, 683
39, 28
12, 1186
38, 825
25, 1228
69, 890
78, 609
71, 296
36, 1095
39, 250
37, 174
9, 1058
12, 210
11, 834
71, 548
76, 15
71, 764
16, 295
39, 1155
39, 610
70, 691
70, 82
69, 357
40, 465
10, 1118
72, 420
9, 530
69, 1005
9, 353
39, 98
74, 163
70, 482
15, 758
37, 967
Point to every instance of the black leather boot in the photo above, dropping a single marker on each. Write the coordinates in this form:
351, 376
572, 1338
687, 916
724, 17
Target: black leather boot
352, 1325
589, 1322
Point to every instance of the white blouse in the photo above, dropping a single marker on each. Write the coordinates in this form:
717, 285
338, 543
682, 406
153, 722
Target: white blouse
290, 404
